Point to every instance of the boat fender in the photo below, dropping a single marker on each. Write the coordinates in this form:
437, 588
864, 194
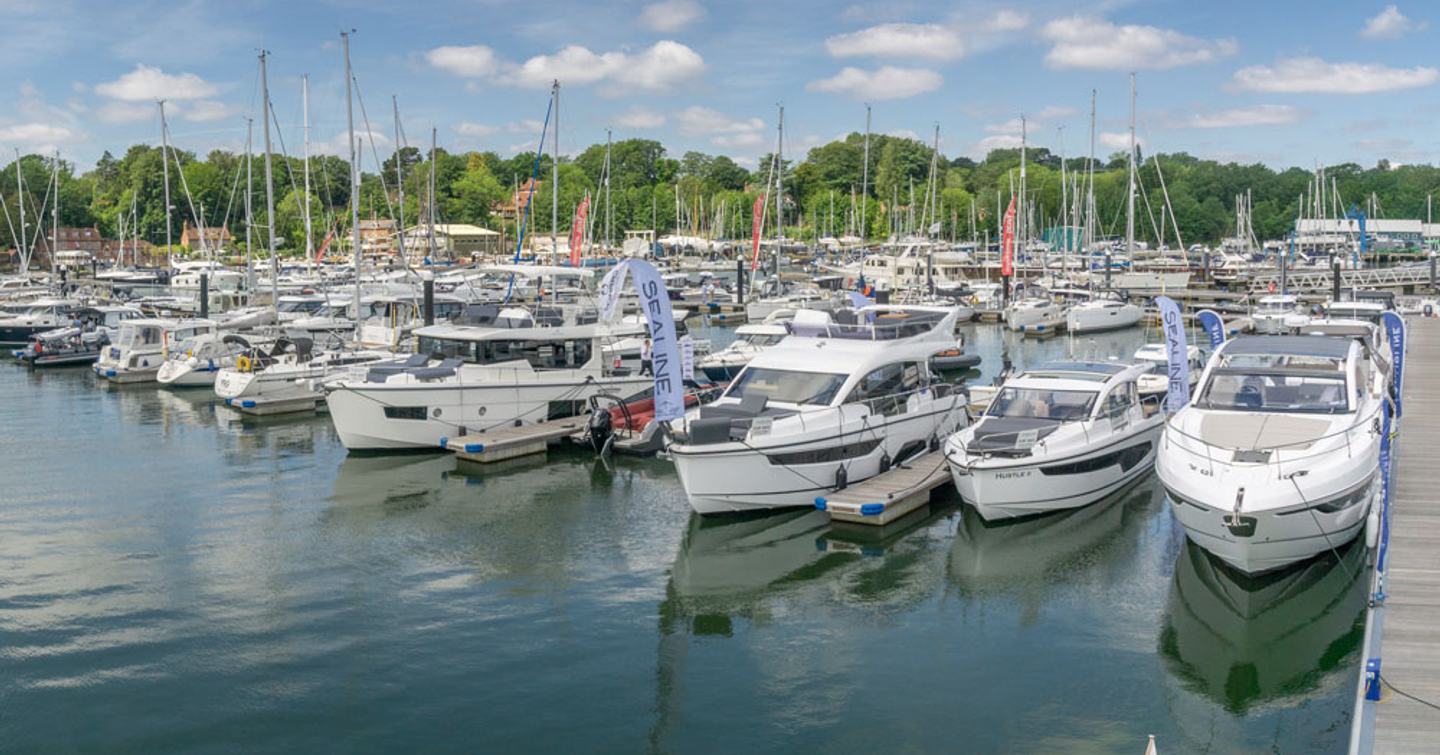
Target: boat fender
841, 478
242, 363
885, 463
1372, 526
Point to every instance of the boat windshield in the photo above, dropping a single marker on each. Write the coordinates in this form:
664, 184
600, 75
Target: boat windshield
302, 305
787, 386
1039, 403
762, 339
1277, 383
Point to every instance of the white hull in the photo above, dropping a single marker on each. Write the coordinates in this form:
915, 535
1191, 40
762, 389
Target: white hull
1036, 320
1002, 488
733, 477
1086, 320
182, 375
448, 410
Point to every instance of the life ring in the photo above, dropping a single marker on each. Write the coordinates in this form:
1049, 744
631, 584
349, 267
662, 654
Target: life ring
243, 363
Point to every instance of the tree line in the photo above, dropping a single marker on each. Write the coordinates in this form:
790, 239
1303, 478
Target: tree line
694, 193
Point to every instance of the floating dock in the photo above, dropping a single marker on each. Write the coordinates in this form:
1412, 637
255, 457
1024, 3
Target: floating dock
264, 408
886, 497
501, 443
1402, 647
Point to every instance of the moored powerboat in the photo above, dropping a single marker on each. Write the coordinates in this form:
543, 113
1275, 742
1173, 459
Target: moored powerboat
1277, 458
829, 406
1060, 436
1273, 314
142, 345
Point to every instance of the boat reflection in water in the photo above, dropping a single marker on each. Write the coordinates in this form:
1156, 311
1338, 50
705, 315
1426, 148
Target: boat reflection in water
1246, 642
1030, 556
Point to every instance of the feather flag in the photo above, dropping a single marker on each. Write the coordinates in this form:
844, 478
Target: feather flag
1007, 242
577, 231
759, 220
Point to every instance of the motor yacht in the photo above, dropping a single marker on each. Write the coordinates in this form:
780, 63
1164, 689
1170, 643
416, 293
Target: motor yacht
467, 379
77, 344
142, 345
20, 321
1060, 436
1277, 458
750, 339
830, 405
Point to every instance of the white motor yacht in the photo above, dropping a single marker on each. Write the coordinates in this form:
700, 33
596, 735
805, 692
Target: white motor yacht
19, 321
467, 379
1274, 314
142, 345
751, 339
1277, 458
828, 406
1060, 436
1101, 313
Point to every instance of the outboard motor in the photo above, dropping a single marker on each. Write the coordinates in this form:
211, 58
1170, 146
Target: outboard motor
600, 428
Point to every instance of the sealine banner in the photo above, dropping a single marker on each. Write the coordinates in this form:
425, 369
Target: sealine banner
1214, 326
665, 355
1173, 325
1395, 334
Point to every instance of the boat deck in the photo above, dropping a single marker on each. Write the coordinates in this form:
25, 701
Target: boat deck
501, 443
1407, 626
886, 497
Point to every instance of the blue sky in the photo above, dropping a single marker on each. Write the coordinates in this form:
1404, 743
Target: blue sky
1281, 82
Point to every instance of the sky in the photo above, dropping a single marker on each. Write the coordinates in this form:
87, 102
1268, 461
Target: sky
1282, 82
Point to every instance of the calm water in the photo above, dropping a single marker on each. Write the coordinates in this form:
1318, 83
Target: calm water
173, 579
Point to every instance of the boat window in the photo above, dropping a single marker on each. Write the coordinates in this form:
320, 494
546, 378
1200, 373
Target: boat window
405, 412
1040, 403
787, 386
1119, 401
439, 348
542, 355
886, 389
763, 339
1239, 390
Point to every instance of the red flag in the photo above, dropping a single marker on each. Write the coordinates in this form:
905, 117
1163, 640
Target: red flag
759, 214
320, 255
1007, 242
577, 231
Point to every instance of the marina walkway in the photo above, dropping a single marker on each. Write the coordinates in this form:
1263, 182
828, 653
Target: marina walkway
1409, 628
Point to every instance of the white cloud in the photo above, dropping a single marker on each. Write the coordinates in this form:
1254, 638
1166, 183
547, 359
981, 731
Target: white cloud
1033, 123
127, 112
472, 61
1094, 43
903, 133
1051, 112
930, 41
146, 84
526, 126
1389, 24
640, 118
469, 128
660, 67
338, 145
884, 83
205, 111
699, 121
1317, 76
1259, 115
1117, 140
999, 141
1008, 20
745, 140
43, 135
671, 15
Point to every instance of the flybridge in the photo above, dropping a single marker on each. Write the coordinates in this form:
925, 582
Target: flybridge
879, 323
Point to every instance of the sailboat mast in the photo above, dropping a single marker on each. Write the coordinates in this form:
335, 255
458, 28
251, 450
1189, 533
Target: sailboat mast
865, 178
20, 198
305, 106
1090, 177
54, 212
269, 193
165, 171
400, 185
354, 176
779, 186
431, 214
1024, 214
607, 190
554, 176
1130, 190
249, 211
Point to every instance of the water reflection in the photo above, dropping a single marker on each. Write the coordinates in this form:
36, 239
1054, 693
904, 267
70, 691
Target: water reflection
1035, 557
1245, 641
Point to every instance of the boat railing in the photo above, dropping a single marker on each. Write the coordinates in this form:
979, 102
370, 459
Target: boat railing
1269, 455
